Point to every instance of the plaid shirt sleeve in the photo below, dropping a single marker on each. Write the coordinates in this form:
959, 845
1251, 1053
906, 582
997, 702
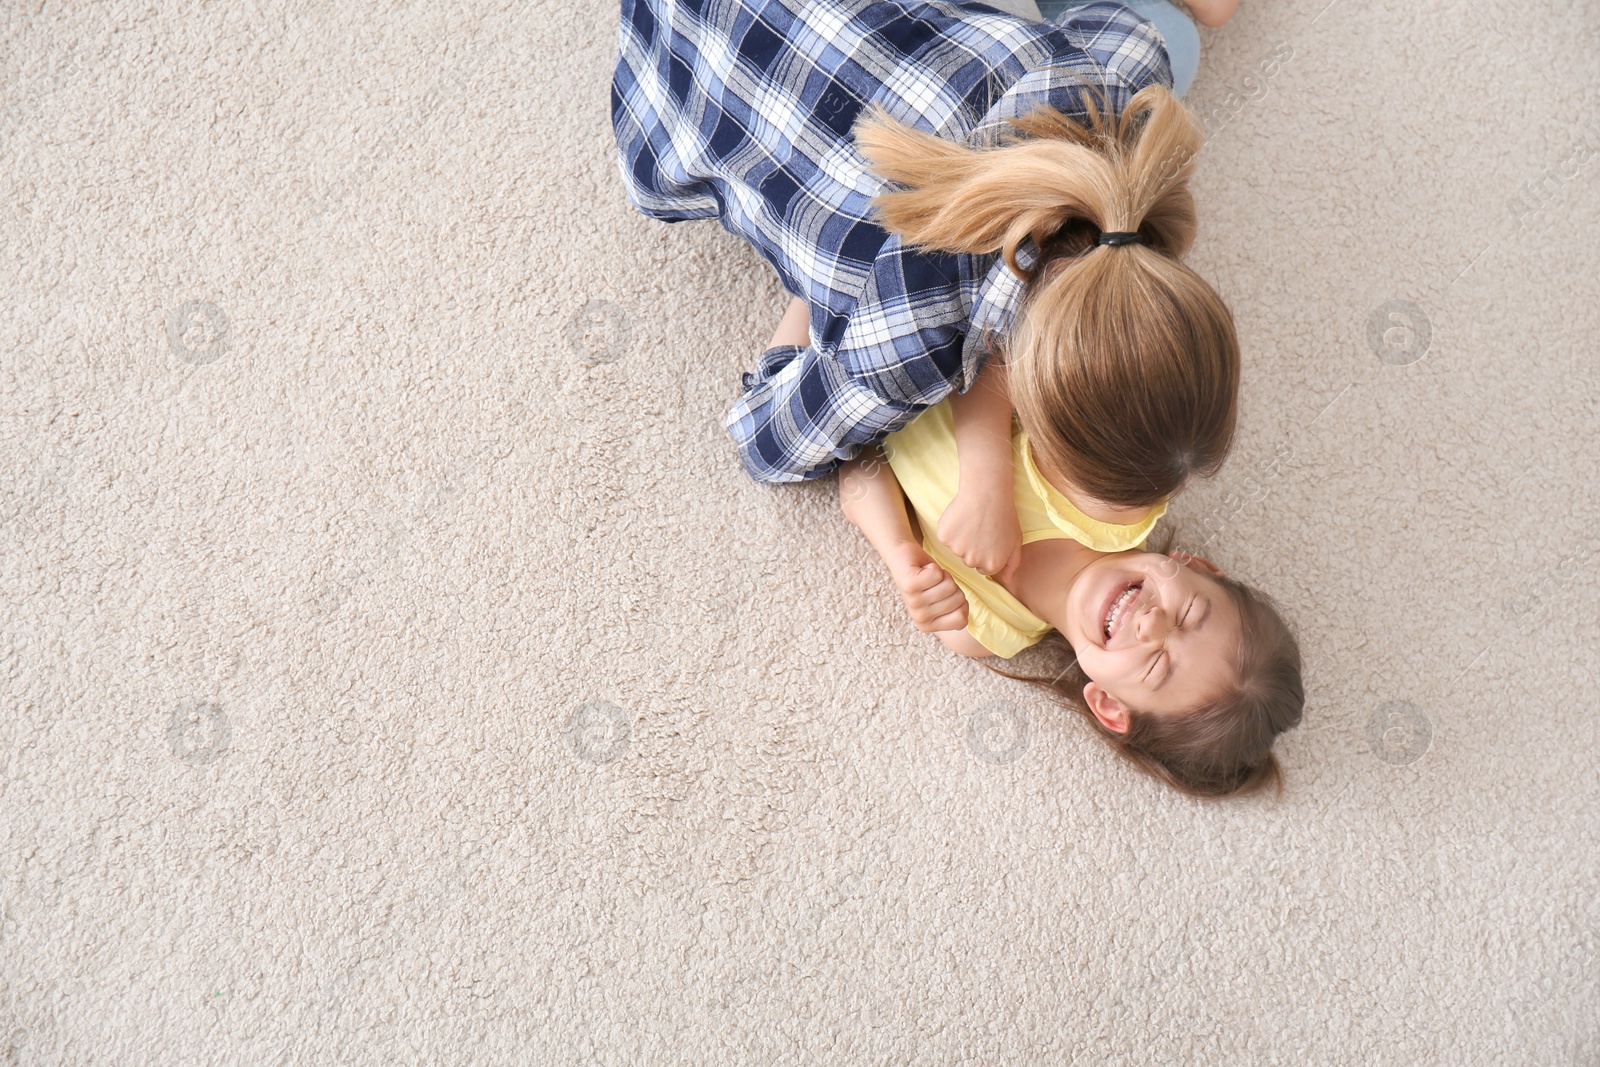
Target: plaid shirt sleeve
742, 111
808, 408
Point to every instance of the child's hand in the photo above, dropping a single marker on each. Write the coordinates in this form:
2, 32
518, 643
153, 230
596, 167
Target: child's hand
981, 527
931, 595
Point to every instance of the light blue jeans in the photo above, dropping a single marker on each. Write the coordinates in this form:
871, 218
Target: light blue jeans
1174, 24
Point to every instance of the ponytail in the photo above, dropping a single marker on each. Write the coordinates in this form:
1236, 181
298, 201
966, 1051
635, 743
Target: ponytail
1124, 364
962, 199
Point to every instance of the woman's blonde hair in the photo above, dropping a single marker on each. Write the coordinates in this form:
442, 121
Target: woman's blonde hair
1123, 363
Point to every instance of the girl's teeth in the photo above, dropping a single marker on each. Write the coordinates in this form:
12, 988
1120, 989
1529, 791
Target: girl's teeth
1117, 606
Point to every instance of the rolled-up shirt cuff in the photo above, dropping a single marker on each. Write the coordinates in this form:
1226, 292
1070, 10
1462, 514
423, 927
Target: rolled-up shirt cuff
771, 362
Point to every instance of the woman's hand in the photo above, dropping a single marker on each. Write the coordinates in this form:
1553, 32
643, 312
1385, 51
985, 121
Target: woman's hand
981, 527
931, 596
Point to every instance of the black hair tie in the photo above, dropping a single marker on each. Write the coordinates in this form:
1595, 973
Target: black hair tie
1108, 238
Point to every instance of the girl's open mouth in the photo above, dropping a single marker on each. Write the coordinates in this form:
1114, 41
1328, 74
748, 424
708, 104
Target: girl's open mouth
1116, 608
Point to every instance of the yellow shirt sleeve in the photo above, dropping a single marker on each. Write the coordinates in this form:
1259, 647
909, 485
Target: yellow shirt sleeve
923, 457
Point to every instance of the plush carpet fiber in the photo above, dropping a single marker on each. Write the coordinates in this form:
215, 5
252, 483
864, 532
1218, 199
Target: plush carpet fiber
398, 668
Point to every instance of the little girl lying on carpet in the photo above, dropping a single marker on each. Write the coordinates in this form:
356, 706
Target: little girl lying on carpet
1190, 674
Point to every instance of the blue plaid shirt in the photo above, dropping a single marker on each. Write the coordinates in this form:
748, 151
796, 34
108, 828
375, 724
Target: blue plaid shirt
741, 110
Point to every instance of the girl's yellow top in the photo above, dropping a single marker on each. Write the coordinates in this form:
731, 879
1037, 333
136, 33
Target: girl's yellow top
923, 457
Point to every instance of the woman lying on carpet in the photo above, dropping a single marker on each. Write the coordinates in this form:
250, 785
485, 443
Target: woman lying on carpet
746, 111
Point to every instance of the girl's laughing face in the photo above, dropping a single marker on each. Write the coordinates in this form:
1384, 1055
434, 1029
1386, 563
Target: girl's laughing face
1153, 632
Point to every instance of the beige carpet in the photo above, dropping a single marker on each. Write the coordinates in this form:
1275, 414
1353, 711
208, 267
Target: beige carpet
398, 668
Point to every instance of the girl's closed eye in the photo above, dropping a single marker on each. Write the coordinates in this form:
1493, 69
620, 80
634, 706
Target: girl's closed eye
1157, 674
1155, 661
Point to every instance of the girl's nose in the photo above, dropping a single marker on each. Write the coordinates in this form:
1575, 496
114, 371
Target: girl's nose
1152, 624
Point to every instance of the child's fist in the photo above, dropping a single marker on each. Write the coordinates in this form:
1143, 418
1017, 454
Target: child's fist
931, 596
982, 529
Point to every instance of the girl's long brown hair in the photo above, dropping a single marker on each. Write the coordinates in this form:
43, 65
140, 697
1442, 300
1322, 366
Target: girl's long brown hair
1223, 748
1123, 362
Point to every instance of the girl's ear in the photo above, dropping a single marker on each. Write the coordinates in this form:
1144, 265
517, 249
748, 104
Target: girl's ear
1107, 708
